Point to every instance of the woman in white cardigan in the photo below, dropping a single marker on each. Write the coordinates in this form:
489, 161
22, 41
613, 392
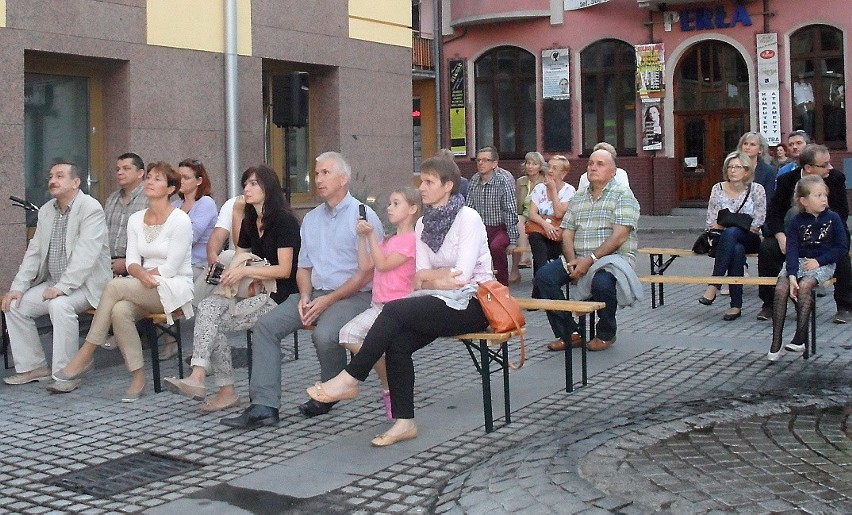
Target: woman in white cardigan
159, 241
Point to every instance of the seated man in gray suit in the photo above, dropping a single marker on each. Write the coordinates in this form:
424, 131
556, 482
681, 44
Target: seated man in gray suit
64, 271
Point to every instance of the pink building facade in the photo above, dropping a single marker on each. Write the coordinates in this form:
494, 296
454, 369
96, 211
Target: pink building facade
532, 75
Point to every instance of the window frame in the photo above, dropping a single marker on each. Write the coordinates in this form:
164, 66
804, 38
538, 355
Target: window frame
615, 73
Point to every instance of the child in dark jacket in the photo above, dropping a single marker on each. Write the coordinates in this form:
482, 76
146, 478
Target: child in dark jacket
816, 239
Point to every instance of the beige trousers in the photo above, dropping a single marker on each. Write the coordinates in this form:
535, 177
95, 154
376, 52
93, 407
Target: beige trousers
125, 300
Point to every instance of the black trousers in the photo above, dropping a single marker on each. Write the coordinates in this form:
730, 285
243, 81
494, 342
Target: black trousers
543, 251
403, 327
769, 263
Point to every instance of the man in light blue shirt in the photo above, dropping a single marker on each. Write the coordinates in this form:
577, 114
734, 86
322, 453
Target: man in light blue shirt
796, 141
332, 291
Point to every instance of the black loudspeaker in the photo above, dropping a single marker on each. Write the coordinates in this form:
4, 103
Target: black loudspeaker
290, 100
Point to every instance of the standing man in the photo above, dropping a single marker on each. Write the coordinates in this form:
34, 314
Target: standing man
129, 172
796, 142
814, 159
491, 193
599, 241
64, 272
332, 290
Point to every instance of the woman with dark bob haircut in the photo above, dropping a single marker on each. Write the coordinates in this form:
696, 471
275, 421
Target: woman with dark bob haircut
269, 230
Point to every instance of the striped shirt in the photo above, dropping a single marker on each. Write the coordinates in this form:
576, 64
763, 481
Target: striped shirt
495, 201
57, 254
117, 214
592, 220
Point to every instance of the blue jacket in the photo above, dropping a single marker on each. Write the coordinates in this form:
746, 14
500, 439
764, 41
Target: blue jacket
821, 237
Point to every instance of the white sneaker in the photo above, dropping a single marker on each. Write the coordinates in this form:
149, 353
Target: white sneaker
39, 374
724, 290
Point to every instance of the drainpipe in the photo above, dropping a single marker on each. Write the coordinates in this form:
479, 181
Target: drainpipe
437, 52
232, 156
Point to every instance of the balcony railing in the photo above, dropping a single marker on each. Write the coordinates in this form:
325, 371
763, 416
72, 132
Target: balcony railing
421, 53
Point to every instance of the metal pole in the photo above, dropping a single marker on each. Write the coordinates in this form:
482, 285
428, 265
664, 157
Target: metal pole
231, 98
437, 51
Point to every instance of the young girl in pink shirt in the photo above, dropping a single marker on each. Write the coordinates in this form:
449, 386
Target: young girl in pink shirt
393, 262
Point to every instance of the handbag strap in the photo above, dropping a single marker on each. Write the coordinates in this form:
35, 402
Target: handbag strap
745, 199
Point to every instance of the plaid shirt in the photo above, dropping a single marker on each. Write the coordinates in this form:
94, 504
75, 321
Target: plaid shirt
117, 214
592, 220
495, 201
57, 255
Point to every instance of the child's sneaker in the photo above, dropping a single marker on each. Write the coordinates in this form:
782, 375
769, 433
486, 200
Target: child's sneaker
387, 400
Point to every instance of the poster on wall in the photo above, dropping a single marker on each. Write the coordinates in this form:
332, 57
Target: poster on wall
652, 127
650, 71
767, 87
573, 5
458, 119
555, 84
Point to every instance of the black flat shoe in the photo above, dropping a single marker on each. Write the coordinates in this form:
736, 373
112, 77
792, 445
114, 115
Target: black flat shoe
732, 316
704, 300
312, 408
254, 416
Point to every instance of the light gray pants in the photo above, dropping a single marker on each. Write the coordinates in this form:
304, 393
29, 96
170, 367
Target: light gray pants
23, 334
265, 387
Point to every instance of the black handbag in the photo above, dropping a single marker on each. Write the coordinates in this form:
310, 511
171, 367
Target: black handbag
726, 218
707, 242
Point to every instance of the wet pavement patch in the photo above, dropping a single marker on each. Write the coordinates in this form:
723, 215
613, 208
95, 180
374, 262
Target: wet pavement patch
122, 474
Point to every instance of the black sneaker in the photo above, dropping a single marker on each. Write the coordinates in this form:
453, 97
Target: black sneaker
765, 313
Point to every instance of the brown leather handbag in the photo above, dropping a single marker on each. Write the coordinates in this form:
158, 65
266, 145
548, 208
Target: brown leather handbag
502, 311
531, 227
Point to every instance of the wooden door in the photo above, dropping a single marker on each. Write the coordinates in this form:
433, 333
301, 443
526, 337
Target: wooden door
703, 141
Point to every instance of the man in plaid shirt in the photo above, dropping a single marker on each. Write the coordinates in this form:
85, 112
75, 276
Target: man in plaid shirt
491, 193
600, 223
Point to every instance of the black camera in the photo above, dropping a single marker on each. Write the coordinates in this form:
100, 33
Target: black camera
214, 275
362, 211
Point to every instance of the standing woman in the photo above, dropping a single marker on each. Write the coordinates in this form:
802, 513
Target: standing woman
159, 239
452, 257
549, 202
534, 167
754, 145
738, 193
269, 230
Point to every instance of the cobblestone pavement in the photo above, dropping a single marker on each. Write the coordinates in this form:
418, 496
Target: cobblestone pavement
682, 414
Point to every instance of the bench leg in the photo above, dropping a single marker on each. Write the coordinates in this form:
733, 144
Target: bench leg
506, 404
583, 349
486, 385
249, 353
296, 344
5, 343
812, 336
153, 344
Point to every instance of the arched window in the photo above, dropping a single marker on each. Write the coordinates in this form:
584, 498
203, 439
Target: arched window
819, 90
608, 71
505, 101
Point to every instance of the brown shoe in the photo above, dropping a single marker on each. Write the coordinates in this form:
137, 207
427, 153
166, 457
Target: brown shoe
597, 344
558, 344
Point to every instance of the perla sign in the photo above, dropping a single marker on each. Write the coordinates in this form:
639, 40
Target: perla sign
707, 19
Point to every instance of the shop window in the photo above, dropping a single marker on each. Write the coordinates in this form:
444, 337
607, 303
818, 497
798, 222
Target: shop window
819, 91
505, 101
608, 84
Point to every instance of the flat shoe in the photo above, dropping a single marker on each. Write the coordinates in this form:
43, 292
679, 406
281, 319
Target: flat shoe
558, 344
317, 393
133, 397
795, 347
63, 386
60, 375
384, 439
596, 344
704, 300
210, 407
732, 316
181, 387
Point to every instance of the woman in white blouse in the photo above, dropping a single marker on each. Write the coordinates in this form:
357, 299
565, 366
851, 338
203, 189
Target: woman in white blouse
159, 241
549, 204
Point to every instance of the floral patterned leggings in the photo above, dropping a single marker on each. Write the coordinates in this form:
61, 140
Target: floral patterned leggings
215, 318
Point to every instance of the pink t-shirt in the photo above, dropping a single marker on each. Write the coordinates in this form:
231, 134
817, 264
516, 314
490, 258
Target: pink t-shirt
397, 283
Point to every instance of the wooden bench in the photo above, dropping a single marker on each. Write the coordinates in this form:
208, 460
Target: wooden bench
753, 281
493, 348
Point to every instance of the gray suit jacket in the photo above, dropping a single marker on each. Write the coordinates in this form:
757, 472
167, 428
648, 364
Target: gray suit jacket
87, 246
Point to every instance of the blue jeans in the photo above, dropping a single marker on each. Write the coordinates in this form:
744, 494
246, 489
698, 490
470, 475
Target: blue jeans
552, 277
734, 244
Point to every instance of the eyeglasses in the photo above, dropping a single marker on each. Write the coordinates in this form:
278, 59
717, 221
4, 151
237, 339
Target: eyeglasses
483, 160
736, 167
825, 166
